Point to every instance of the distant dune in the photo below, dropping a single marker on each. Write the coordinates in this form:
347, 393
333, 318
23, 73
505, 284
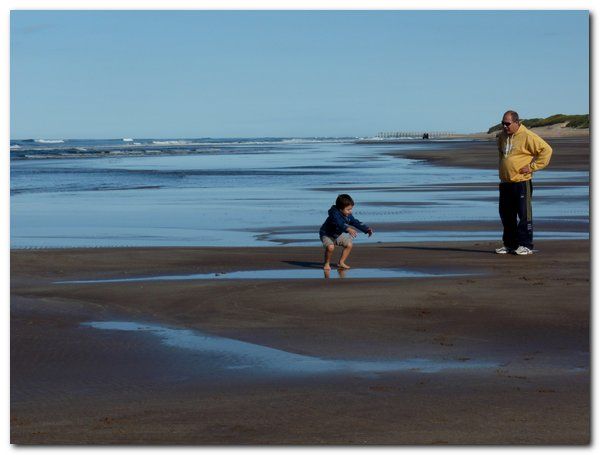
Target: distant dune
551, 131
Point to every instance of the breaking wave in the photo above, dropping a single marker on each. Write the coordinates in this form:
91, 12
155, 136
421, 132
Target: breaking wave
49, 141
179, 142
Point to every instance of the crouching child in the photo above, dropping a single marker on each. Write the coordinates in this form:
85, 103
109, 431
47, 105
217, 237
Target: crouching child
339, 229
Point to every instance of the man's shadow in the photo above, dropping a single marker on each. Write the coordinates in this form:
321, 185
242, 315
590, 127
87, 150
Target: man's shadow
433, 248
319, 265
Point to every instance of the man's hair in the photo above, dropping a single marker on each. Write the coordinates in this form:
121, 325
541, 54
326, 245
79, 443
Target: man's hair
343, 201
513, 115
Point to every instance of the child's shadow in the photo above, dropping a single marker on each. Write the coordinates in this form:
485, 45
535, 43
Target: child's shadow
308, 265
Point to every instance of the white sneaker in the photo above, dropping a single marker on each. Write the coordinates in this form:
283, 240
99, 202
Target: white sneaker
523, 250
504, 250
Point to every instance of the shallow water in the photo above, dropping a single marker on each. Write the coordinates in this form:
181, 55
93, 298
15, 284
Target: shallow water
238, 195
427, 235
277, 274
240, 355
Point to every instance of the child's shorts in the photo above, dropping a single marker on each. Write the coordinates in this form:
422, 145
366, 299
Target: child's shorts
343, 240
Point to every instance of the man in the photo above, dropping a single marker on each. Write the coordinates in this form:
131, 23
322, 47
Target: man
522, 153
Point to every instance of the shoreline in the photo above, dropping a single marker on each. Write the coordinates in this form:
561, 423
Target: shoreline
419, 197
569, 154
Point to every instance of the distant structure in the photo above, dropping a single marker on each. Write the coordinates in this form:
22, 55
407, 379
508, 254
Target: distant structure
414, 134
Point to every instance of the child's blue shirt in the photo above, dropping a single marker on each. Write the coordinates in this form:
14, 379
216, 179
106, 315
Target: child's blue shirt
336, 224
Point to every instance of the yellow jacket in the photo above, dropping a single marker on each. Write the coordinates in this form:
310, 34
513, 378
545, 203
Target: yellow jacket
522, 148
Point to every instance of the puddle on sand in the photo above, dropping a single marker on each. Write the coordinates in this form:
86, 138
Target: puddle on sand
283, 274
237, 354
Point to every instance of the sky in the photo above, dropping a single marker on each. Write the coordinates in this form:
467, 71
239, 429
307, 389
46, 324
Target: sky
184, 74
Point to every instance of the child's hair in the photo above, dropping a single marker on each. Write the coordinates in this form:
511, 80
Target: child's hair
343, 201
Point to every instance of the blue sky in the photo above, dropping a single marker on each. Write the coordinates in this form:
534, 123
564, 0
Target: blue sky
110, 74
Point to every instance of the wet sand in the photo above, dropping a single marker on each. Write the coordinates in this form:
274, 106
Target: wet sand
569, 154
529, 316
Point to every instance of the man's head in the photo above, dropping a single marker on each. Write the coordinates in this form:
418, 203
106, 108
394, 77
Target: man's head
344, 204
510, 122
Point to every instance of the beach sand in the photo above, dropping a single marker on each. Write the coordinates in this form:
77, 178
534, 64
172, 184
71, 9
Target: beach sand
569, 154
526, 319
528, 315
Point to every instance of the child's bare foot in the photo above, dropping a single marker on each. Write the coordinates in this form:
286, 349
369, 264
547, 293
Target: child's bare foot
326, 267
342, 265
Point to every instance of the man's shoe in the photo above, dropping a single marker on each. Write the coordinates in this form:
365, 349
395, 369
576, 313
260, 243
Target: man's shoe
523, 250
504, 250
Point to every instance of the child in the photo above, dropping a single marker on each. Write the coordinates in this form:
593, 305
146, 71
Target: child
338, 228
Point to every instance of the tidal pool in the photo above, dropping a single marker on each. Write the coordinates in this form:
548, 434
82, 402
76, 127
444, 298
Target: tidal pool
278, 274
236, 355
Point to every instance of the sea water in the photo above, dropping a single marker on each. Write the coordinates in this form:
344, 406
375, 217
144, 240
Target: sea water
254, 192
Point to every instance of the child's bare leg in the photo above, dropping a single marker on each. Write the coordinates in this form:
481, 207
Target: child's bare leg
327, 258
342, 264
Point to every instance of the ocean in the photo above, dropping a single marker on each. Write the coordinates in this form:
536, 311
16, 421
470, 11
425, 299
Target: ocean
259, 192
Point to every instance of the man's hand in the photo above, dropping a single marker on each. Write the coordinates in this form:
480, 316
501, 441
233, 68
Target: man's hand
369, 232
525, 170
352, 232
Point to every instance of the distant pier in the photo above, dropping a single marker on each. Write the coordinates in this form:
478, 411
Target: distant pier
414, 134
408, 136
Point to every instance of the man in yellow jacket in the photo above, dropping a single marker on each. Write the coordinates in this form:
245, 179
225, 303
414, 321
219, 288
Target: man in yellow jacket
522, 153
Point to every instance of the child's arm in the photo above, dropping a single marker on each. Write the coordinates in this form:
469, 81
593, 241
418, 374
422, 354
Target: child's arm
361, 226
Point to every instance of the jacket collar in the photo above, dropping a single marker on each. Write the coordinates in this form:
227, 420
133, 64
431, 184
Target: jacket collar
521, 129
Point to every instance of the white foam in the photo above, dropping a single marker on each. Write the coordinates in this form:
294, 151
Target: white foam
49, 141
171, 142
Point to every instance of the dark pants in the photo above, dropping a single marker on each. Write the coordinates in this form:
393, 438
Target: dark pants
515, 202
